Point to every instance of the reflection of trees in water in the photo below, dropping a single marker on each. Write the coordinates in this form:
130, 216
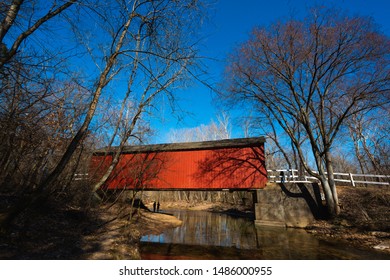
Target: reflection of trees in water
203, 228
282, 243
218, 236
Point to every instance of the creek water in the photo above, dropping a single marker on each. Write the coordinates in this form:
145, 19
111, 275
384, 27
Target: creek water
206, 235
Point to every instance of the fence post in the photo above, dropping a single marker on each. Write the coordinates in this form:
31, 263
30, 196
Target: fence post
292, 174
352, 181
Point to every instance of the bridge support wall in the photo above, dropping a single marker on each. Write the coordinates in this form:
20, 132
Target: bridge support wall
288, 205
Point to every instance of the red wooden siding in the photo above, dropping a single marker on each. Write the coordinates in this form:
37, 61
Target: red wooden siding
167, 168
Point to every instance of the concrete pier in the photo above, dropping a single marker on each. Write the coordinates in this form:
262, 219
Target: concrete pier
288, 205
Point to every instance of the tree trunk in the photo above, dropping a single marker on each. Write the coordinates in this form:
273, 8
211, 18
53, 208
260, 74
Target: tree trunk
328, 188
330, 205
331, 182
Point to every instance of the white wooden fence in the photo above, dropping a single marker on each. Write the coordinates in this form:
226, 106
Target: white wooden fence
292, 175
80, 176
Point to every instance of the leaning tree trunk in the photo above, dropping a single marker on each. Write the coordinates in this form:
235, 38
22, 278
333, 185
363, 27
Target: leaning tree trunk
330, 203
331, 182
328, 186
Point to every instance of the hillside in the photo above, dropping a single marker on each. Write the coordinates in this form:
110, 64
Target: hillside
364, 219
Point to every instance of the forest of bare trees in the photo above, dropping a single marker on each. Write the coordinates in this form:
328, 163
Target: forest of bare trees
76, 75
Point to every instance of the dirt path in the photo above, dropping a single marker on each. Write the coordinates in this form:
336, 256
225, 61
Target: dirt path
119, 237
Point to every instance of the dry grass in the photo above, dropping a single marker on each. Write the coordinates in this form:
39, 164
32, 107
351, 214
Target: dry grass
366, 208
364, 220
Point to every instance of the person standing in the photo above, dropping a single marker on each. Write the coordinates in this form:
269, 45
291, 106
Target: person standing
282, 176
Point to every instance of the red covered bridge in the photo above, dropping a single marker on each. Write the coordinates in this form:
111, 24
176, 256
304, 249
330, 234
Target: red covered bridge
234, 164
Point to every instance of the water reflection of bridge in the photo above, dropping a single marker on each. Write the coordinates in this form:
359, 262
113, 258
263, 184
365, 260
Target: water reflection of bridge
206, 235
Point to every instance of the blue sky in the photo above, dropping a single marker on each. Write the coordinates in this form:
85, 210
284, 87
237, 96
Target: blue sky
229, 24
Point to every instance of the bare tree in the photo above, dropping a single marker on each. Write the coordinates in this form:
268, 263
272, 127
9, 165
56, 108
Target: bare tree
157, 55
221, 129
313, 75
369, 133
30, 91
147, 43
12, 18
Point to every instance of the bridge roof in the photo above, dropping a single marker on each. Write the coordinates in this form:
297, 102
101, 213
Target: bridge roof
187, 146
